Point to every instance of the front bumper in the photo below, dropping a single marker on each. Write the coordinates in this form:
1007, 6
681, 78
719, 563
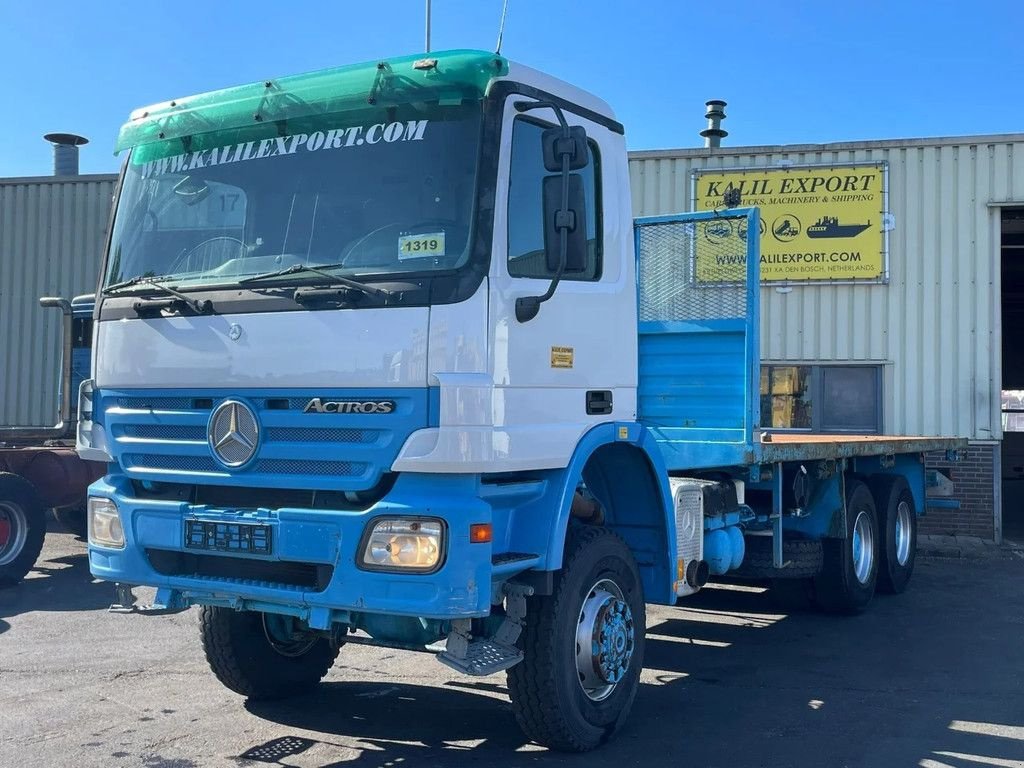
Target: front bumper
325, 542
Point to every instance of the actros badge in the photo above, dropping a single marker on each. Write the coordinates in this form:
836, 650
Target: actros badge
319, 405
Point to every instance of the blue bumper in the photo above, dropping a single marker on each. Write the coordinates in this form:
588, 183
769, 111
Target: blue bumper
325, 542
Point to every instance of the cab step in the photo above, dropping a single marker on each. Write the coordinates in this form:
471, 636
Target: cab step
482, 656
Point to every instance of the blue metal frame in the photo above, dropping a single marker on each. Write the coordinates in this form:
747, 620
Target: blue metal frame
707, 448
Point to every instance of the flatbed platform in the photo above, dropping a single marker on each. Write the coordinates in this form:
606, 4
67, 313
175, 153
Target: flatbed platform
790, 446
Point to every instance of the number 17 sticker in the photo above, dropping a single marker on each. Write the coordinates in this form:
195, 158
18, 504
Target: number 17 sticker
420, 246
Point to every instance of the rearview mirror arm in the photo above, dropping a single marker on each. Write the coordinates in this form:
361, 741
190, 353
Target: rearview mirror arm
527, 307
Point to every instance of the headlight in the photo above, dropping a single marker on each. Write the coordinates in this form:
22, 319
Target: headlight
407, 544
105, 529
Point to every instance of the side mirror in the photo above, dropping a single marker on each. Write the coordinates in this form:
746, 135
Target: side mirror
573, 219
555, 143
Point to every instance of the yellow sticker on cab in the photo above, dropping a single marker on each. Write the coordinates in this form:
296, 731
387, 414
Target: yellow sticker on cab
420, 246
561, 357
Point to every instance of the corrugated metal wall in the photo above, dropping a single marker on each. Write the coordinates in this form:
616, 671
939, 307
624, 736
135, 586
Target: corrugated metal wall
51, 240
935, 326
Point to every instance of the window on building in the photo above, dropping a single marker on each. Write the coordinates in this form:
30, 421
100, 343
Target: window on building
822, 398
1013, 410
526, 257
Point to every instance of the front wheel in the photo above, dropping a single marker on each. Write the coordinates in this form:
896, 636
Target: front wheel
583, 647
22, 528
264, 655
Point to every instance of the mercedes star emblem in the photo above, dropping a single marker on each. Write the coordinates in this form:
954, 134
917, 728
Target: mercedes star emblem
234, 433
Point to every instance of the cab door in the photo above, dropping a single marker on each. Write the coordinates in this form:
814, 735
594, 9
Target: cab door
574, 364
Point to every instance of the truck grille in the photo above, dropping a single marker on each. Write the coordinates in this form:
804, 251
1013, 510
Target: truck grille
164, 437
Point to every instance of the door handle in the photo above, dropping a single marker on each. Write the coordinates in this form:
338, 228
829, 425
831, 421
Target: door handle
599, 402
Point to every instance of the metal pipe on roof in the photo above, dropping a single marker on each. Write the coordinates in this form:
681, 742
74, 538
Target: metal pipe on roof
715, 114
65, 152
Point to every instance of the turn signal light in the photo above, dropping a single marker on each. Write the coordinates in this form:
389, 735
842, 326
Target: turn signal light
481, 533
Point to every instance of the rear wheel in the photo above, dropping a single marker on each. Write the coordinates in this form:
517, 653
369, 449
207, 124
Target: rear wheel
264, 655
846, 583
897, 523
583, 647
22, 528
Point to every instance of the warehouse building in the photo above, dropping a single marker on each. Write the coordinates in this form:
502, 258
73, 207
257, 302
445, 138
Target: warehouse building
892, 277
893, 274
52, 231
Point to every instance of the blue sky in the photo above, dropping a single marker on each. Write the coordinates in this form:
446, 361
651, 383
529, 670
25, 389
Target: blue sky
791, 71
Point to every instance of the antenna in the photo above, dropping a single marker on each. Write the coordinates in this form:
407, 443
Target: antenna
426, 46
501, 25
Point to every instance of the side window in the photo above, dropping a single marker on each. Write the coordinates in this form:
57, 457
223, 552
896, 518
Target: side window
822, 398
526, 257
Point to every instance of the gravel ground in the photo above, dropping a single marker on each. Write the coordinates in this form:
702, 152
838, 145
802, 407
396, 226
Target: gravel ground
932, 678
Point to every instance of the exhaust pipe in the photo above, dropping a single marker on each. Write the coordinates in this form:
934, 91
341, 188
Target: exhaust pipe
714, 133
65, 152
64, 426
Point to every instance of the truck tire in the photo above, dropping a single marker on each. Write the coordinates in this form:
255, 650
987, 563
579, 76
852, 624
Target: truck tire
897, 524
261, 655
846, 583
73, 520
583, 646
22, 528
804, 558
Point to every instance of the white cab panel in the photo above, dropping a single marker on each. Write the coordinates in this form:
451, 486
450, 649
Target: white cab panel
517, 438
458, 336
329, 348
523, 412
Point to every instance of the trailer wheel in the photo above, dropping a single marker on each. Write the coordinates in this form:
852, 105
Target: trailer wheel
22, 527
897, 523
803, 559
846, 583
583, 646
263, 655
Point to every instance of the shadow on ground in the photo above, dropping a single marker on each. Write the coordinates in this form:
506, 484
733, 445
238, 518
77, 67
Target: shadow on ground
730, 682
56, 584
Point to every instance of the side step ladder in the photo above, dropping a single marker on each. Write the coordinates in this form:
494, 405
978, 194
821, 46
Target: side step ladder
482, 656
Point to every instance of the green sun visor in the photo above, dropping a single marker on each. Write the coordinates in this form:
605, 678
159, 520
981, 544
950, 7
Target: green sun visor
425, 77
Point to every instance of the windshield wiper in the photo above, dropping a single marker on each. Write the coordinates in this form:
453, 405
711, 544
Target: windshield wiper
196, 305
319, 270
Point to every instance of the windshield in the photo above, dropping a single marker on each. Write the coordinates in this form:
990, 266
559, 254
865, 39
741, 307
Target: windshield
383, 192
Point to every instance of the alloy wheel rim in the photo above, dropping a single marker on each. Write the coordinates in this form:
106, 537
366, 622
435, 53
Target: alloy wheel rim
904, 533
863, 547
13, 531
605, 640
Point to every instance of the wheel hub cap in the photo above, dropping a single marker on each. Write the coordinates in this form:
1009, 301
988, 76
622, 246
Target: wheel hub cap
605, 640
13, 532
863, 547
904, 528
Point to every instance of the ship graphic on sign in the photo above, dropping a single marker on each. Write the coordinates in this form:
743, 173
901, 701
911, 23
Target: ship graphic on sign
829, 226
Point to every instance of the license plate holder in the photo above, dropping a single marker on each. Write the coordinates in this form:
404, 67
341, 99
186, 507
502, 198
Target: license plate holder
219, 536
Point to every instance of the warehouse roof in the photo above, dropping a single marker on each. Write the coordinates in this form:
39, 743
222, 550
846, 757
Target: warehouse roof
938, 141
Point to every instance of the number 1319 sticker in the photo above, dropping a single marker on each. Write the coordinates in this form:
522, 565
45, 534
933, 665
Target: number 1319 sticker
419, 246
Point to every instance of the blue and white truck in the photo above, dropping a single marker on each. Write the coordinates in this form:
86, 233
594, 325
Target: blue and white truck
381, 356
